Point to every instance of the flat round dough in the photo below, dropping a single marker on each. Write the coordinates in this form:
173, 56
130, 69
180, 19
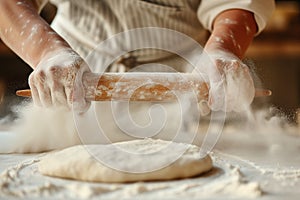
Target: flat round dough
77, 163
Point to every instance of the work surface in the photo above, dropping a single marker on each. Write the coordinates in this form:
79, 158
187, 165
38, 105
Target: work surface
246, 165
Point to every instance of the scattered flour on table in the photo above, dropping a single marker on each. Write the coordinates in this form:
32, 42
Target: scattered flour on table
230, 182
39, 129
257, 139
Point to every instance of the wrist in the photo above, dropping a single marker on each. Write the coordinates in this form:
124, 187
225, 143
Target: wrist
52, 44
56, 51
226, 43
221, 53
64, 56
233, 31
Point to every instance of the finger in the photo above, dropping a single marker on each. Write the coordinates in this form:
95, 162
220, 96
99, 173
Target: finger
81, 106
244, 97
204, 108
45, 96
240, 95
217, 97
76, 99
34, 90
77, 95
43, 89
58, 95
259, 92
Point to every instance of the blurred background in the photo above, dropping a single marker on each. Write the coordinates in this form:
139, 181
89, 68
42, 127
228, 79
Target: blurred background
274, 56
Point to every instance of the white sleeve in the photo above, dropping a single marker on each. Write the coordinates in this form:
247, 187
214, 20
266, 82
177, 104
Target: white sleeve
40, 4
209, 9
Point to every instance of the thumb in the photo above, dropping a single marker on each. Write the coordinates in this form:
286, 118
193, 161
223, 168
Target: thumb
204, 108
217, 96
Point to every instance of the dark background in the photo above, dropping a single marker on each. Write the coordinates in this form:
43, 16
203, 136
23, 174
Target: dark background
274, 55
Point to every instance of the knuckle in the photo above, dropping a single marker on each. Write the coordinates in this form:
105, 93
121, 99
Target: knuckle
219, 62
55, 86
40, 74
31, 79
53, 70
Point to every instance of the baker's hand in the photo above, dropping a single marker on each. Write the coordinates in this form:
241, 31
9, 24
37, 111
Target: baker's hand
53, 80
231, 84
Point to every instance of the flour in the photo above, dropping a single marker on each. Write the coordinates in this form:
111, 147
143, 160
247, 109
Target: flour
10, 178
229, 182
39, 129
130, 161
237, 174
266, 144
260, 141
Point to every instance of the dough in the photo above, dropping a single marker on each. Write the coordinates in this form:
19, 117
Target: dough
77, 163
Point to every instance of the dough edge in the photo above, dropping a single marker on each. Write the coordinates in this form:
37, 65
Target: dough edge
75, 163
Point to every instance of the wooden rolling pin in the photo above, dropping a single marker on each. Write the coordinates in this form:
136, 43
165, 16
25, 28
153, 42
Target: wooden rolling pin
136, 86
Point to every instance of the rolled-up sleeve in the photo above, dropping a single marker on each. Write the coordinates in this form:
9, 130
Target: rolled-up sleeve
209, 9
40, 4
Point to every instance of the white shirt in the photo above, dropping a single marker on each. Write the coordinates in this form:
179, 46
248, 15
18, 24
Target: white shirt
85, 23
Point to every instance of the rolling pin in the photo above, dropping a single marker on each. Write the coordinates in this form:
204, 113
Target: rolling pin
140, 86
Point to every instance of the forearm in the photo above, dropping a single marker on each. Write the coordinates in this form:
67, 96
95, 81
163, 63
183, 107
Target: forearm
233, 31
26, 33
